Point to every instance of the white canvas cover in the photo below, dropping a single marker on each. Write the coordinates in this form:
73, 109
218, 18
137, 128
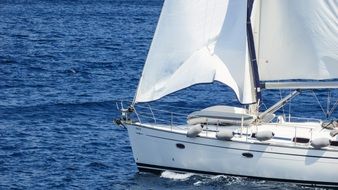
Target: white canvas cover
297, 39
198, 41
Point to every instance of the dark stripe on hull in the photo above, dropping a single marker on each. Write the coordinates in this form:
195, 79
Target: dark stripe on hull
159, 169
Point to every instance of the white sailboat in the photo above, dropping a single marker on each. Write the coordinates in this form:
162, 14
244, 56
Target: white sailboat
249, 46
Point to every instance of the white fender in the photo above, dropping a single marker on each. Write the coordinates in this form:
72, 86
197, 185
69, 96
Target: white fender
320, 142
264, 135
224, 135
194, 131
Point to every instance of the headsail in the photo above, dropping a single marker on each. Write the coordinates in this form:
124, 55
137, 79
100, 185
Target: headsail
198, 41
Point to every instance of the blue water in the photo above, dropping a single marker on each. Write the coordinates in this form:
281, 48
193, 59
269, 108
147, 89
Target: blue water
63, 65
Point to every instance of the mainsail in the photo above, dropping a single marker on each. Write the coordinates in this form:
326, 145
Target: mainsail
201, 41
298, 39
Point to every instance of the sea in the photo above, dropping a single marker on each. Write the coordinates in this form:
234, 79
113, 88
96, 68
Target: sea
65, 67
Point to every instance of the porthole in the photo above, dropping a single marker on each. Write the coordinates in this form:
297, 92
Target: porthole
247, 154
180, 146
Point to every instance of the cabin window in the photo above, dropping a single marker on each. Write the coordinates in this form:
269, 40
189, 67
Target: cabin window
334, 143
300, 140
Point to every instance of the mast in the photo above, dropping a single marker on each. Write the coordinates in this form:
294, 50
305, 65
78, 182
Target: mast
252, 52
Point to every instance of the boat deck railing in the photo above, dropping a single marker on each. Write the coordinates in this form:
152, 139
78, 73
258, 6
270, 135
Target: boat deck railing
176, 118
175, 115
145, 113
297, 119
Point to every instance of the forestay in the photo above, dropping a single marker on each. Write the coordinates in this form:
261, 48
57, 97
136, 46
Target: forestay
198, 41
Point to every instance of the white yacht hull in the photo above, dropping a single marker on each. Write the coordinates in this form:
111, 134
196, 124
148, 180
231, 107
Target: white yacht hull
157, 150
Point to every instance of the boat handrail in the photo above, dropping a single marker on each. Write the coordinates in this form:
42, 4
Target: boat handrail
148, 112
178, 117
163, 111
304, 119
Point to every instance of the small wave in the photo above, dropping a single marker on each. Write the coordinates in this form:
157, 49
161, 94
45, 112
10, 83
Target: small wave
16, 154
97, 165
176, 176
219, 179
71, 70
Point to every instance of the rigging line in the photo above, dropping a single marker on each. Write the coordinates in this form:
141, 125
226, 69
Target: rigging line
333, 107
328, 102
290, 103
321, 107
263, 104
280, 95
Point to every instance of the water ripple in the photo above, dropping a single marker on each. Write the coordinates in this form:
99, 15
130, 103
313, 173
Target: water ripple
63, 65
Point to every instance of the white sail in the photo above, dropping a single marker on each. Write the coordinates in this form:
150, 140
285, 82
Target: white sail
232, 49
297, 39
198, 41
